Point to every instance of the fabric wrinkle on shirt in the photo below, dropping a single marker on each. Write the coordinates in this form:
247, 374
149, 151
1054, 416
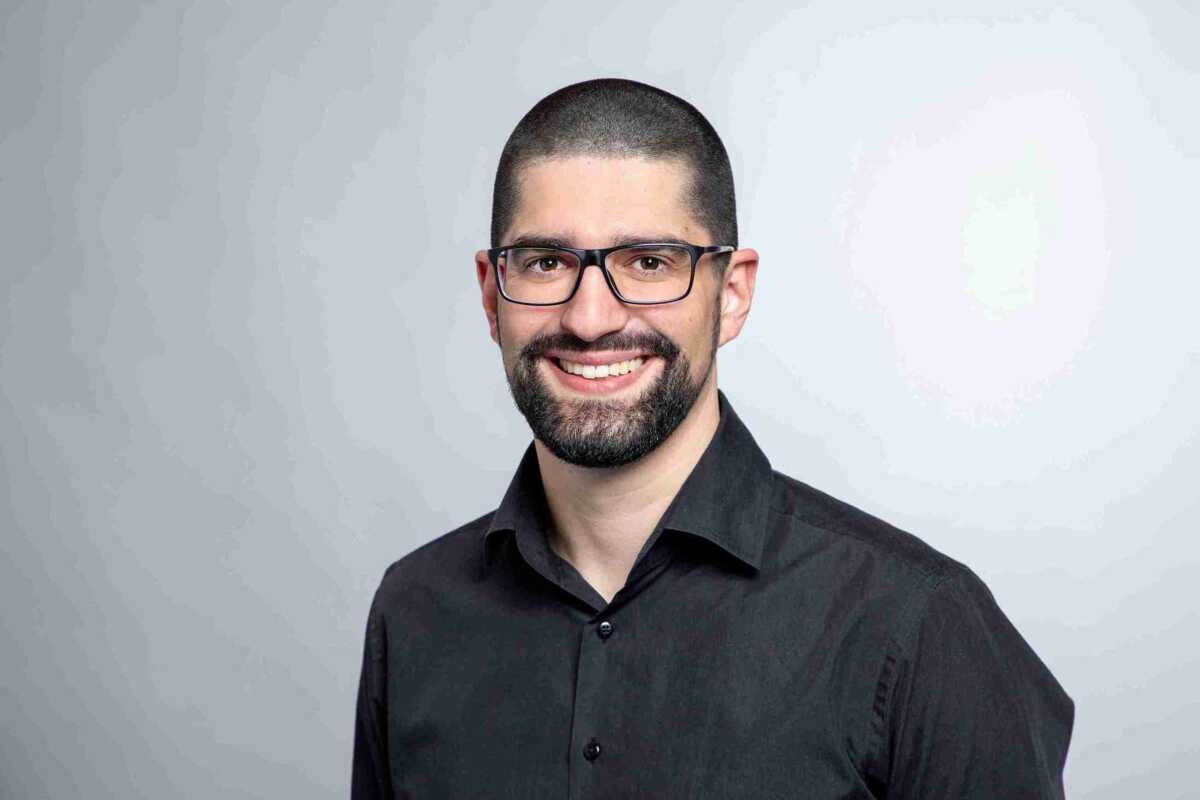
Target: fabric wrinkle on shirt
770, 641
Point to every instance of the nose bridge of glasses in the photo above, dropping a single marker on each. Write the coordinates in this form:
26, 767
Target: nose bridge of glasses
590, 257
594, 257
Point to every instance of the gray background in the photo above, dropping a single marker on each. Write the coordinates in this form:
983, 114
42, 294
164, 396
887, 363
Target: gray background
244, 364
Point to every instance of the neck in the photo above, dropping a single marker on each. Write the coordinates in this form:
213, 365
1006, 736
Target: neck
602, 517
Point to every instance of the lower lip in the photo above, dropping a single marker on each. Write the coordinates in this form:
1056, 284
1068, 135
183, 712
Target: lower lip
599, 385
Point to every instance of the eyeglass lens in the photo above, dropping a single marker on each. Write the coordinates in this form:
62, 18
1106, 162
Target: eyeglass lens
648, 274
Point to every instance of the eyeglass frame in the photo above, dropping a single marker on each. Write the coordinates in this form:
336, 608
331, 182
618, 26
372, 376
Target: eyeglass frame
597, 257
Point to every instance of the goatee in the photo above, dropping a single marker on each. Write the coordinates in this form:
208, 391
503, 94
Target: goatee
603, 432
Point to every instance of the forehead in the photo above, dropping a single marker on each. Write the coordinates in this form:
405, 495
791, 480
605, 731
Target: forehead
596, 198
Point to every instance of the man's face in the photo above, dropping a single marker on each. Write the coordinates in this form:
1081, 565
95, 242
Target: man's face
593, 202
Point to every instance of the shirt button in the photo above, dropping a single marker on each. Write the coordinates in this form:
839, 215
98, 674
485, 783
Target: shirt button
605, 630
591, 750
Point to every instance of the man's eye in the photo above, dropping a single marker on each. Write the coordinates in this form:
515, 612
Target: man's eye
546, 264
649, 263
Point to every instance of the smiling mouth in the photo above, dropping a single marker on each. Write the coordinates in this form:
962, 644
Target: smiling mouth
597, 371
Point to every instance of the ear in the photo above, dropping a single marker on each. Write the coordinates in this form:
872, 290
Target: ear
487, 287
737, 292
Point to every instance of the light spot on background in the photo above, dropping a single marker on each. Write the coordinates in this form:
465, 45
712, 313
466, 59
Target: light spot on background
984, 246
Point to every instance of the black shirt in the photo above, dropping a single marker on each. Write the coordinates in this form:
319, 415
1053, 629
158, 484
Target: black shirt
770, 642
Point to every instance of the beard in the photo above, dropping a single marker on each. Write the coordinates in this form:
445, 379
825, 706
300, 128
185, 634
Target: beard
603, 432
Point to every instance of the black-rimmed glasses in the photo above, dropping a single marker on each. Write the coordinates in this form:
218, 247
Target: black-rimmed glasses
643, 274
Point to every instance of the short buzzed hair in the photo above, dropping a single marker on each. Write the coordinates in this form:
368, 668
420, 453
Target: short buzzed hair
622, 118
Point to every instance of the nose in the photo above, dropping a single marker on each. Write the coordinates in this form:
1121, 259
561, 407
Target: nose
594, 310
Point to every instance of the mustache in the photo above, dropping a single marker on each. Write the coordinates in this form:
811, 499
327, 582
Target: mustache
652, 343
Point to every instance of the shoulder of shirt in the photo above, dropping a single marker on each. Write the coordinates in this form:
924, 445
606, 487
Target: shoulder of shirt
454, 551
457, 551
829, 516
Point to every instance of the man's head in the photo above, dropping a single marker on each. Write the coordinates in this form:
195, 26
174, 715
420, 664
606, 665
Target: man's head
614, 118
594, 165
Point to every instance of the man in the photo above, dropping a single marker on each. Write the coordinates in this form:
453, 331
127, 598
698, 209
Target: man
652, 611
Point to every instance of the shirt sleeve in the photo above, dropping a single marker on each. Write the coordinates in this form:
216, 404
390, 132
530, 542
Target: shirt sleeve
371, 776
964, 707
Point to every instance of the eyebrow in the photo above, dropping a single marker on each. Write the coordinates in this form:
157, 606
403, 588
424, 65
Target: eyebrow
621, 240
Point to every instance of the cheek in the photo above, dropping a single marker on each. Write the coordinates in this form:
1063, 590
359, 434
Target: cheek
516, 327
703, 335
691, 332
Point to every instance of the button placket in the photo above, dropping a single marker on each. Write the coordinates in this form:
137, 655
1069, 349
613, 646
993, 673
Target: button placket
592, 708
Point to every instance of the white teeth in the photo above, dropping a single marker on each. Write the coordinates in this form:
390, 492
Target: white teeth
600, 371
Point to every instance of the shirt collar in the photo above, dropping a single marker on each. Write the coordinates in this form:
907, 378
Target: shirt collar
725, 499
